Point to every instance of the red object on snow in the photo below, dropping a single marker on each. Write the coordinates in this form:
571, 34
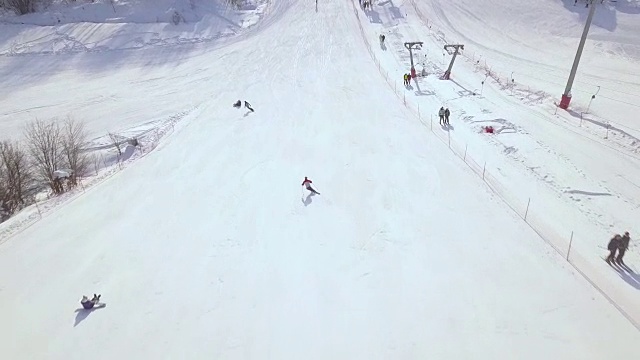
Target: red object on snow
488, 129
564, 102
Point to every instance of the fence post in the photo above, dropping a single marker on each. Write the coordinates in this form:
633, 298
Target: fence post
527, 211
465, 153
484, 167
580, 119
570, 241
606, 137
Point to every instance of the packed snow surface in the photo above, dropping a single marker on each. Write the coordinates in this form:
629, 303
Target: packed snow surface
208, 247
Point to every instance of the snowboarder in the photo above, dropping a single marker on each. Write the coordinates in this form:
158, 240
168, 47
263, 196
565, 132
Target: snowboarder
307, 184
248, 106
441, 115
623, 245
614, 243
381, 39
237, 104
446, 116
89, 304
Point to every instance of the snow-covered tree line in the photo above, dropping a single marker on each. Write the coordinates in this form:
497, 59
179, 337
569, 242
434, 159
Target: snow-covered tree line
51, 155
22, 7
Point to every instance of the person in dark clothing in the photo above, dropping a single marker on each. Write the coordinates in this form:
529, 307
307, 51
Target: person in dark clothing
446, 116
248, 106
237, 104
623, 245
613, 246
441, 115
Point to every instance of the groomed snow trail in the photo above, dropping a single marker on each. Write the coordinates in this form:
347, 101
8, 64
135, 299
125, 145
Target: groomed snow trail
207, 248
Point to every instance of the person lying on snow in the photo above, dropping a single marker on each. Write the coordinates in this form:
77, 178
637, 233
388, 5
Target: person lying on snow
238, 104
89, 304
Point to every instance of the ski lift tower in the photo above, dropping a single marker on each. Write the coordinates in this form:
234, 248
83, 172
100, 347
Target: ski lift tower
566, 96
416, 45
452, 50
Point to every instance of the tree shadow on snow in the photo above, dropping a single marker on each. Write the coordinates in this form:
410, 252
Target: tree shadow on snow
308, 200
82, 314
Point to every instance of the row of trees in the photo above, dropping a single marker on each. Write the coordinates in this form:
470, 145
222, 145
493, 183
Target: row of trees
52, 155
22, 7
19, 6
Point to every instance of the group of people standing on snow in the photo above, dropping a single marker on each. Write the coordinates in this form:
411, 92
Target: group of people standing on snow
621, 245
407, 79
444, 115
366, 4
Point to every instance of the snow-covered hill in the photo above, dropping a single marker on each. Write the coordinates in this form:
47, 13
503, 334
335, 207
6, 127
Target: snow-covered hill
206, 247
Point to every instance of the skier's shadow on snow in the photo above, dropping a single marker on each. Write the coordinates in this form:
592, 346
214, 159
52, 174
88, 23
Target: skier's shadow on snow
446, 127
629, 276
308, 200
373, 16
82, 314
248, 113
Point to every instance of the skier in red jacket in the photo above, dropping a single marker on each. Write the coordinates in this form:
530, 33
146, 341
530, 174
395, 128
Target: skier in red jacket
307, 184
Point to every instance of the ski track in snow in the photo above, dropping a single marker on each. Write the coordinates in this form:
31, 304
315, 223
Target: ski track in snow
555, 179
528, 98
149, 140
401, 228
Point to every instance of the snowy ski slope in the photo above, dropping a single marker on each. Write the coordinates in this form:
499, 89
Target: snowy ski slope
206, 248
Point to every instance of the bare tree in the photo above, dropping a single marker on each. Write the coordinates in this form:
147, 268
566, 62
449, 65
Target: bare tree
4, 192
21, 6
17, 176
74, 138
236, 3
44, 140
116, 143
97, 160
